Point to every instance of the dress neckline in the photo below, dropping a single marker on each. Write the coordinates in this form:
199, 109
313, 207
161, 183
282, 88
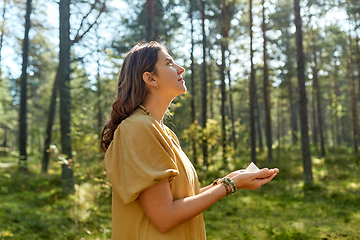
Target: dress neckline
164, 128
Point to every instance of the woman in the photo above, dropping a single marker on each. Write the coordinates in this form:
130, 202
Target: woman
156, 193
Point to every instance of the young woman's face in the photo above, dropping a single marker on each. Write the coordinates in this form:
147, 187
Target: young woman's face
169, 76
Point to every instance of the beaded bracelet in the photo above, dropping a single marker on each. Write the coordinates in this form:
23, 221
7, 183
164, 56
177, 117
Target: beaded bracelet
215, 182
230, 186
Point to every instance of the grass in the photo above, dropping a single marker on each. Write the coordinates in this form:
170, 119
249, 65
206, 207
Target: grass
283, 209
32, 205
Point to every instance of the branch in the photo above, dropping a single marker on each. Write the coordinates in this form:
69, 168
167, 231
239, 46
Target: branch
78, 37
85, 17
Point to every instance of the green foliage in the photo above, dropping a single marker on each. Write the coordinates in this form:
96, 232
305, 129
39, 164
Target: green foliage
33, 206
283, 209
8, 115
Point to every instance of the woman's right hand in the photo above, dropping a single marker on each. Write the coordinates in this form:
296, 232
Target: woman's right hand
253, 180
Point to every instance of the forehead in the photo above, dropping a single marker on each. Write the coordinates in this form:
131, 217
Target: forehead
163, 55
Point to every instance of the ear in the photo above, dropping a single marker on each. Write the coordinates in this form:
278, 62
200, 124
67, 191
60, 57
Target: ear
149, 80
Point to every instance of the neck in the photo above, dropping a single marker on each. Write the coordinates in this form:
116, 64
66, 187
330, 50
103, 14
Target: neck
156, 107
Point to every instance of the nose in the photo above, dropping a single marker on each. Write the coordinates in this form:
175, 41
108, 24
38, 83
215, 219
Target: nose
181, 70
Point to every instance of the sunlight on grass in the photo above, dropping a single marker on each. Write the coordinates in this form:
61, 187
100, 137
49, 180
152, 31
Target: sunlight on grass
282, 210
33, 205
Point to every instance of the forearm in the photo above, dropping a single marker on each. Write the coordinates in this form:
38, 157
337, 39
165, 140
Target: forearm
166, 215
183, 210
206, 188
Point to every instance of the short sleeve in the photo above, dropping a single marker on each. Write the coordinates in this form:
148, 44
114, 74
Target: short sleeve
139, 157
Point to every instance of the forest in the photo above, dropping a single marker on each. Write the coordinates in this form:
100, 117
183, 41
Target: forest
274, 82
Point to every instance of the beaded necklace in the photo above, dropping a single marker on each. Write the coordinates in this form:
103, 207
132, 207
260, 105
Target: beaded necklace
147, 112
143, 108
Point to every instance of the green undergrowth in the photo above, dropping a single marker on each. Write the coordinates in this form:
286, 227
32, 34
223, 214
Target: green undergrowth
32, 205
285, 209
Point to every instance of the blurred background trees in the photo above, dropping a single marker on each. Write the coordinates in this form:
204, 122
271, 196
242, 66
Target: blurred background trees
284, 71
271, 81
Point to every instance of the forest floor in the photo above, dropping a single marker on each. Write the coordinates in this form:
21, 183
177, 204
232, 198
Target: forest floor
32, 205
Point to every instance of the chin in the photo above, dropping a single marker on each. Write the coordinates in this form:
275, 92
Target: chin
185, 89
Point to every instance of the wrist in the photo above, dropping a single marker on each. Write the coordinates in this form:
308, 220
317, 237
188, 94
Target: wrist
228, 184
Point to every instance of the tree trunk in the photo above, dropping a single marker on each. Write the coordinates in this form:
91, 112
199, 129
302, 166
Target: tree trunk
192, 99
314, 121
293, 106
336, 94
223, 102
232, 115
318, 101
56, 85
353, 100
293, 115
203, 86
98, 80
67, 175
211, 86
2, 32
49, 124
332, 121
258, 122
23, 92
357, 52
267, 94
252, 91
222, 76
279, 119
306, 154
346, 118
150, 10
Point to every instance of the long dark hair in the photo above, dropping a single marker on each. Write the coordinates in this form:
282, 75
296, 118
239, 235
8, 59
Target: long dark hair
131, 88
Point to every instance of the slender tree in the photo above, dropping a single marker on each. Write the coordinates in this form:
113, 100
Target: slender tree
2, 32
357, 49
306, 154
258, 121
50, 120
332, 120
318, 99
336, 115
192, 82
49, 123
224, 33
23, 92
151, 28
211, 82
314, 121
352, 93
279, 118
252, 91
98, 91
67, 175
291, 92
266, 93
203, 85
231, 103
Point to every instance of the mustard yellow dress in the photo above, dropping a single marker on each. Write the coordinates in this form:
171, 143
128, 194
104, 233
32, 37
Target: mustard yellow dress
141, 155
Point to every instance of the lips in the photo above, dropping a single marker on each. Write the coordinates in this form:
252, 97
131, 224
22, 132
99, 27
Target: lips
181, 79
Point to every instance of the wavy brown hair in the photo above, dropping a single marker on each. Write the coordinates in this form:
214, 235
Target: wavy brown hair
131, 90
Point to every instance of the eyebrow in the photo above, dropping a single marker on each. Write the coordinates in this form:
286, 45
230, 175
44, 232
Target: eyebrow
169, 58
